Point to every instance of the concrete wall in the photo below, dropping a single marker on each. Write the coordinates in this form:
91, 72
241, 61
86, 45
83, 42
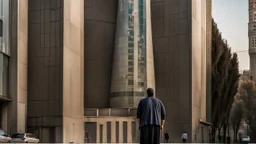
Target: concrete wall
45, 46
17, 109
198, 46
209, 58
179, 39
12, 107
73, 71
171, 27
99, 25
22, 64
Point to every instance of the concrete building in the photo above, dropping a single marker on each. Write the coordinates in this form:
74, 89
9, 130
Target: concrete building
60, 60
133, 61
179, 38
252, 37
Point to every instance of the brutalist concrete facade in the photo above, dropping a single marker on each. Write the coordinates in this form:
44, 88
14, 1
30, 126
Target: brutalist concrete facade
61, 62
252, 37
55, 69
100, 26
208, 59
179, 38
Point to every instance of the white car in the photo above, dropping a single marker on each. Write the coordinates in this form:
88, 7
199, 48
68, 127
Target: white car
246, 139
24, 138
4, 138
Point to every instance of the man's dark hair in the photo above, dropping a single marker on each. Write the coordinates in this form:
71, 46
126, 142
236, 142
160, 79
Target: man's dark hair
150, 92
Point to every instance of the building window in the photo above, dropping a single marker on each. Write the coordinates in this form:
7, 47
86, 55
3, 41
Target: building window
130, 69
130, 50
4, 68
130, 57
130, 63
4, 6
141, 83
131, 44
130, 82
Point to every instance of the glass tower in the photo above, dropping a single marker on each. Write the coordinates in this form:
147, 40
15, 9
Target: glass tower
133, 54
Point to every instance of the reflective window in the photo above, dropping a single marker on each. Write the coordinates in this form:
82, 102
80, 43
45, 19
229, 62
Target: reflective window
3, 75
4, 17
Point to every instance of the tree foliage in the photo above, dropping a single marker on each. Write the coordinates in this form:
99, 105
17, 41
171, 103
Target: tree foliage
236, 116
247, 95
225, 76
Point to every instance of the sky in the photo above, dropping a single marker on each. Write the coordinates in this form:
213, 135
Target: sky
231, 17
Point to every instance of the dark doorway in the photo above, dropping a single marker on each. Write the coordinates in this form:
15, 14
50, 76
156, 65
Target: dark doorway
90, 132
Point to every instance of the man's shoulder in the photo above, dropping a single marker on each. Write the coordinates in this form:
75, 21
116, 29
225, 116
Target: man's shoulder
143, 99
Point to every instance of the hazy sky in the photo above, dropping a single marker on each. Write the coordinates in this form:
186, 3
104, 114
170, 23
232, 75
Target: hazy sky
232, 19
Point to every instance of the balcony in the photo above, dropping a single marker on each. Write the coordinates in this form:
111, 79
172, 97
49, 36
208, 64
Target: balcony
110, 112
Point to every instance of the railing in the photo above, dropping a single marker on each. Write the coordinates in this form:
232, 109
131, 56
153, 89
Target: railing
110, 112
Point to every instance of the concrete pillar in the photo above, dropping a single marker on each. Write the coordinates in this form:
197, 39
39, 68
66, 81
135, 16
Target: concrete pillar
113, 132
121, 132
98, 133
22, 51
129, 131
73, 71
105, 139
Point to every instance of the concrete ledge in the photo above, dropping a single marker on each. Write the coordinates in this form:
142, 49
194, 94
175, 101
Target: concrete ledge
3, 98
110, 112
204, 122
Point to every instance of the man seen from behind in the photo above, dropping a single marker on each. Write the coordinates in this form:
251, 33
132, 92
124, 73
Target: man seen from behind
151, 115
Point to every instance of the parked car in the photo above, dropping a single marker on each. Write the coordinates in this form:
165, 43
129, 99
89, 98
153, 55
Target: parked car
24, 138
246, 139
4, 138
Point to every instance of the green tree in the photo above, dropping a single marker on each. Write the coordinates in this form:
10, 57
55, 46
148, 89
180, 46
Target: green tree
219, 74
225, 77
236, 116
229, 92
247, 94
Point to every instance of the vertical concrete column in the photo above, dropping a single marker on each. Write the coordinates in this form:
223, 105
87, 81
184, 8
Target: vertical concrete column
104, 132
121, 139
73, 71
113, 132
98, 133
22, 51
198, 66
149, 50
129, 131
203, 57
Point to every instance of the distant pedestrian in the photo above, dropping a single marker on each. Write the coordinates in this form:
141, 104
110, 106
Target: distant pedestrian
219, 138
184, 137
166, 136
151, 115
228, 139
